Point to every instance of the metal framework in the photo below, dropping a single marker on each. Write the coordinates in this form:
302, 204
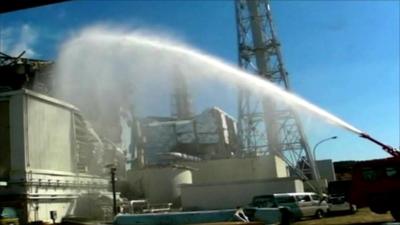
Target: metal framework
267, 126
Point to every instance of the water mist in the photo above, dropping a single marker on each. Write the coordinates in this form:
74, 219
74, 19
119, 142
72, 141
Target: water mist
102, 70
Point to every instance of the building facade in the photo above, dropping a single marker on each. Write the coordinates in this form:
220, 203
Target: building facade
50, 156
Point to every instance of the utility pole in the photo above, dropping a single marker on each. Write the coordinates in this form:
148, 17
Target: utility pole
112, 171
267, 126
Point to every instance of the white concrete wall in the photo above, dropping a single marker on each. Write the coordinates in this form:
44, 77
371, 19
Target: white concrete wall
238, 169
48, 136
230, 195
40, 210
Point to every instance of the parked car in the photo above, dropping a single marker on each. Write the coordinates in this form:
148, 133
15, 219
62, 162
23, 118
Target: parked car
298, 205
339, 203
339, 200
8, 216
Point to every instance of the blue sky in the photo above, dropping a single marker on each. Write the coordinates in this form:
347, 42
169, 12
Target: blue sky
341, 55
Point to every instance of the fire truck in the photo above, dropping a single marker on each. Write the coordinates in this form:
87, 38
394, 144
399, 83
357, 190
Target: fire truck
376, 183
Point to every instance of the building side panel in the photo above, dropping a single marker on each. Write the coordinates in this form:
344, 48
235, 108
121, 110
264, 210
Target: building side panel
5, 156
49, 136
282, 169
17, 137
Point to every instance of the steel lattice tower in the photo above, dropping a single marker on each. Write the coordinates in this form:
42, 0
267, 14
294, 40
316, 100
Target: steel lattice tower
265, 125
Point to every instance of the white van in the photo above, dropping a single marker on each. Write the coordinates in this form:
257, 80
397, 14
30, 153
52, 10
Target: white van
304, 204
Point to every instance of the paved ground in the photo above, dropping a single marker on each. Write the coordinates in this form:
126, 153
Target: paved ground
362, 217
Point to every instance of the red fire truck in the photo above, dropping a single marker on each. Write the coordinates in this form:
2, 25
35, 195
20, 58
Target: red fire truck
376, 183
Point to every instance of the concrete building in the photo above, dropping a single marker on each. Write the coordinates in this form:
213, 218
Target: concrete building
232, 194
326, 169
159, 184
214, 184
209, 135
50, 156
327, 174
227, 183
238, 169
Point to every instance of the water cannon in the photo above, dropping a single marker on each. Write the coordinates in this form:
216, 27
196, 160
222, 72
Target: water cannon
387, 148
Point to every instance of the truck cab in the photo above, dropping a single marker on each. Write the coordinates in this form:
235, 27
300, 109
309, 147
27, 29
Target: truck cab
376, 184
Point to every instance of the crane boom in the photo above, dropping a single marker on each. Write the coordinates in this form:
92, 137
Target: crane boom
389, 149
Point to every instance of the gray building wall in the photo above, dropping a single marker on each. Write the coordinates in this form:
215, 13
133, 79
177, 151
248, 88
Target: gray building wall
326, 169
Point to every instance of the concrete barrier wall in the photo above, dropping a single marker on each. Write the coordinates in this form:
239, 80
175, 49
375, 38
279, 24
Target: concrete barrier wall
160, 184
